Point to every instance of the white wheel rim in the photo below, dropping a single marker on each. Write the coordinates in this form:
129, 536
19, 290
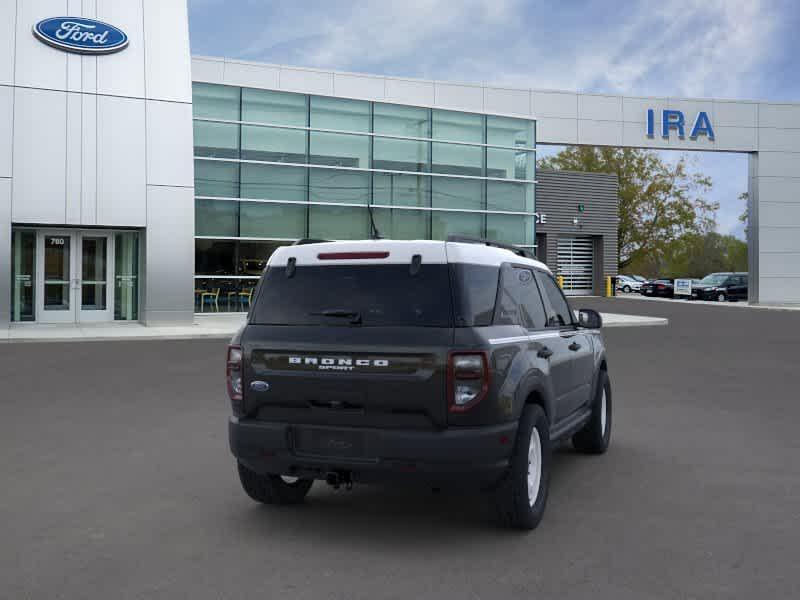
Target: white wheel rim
534, 466
721, 298
603, 415
289, 479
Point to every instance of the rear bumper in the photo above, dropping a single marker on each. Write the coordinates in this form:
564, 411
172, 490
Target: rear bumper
478, 456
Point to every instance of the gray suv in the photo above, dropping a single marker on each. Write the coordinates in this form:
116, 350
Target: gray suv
456, 363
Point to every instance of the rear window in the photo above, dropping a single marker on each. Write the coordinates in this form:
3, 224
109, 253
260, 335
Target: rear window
355, 295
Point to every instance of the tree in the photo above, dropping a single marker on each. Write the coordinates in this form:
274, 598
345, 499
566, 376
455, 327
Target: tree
658, 202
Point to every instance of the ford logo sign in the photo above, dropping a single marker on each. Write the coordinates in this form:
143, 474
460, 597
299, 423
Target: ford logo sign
84, 36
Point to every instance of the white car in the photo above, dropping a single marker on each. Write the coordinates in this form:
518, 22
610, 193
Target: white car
628, 284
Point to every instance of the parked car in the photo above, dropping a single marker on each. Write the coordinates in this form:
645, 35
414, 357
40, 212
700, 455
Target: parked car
721, 287
639, 278
628, 284
663, 288
350, 368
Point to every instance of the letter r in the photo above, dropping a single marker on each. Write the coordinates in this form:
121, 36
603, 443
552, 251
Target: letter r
672, 119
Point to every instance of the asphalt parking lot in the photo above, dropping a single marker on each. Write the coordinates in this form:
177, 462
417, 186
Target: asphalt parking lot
116, 482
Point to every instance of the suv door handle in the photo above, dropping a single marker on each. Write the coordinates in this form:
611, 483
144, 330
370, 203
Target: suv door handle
544, 352
574, 346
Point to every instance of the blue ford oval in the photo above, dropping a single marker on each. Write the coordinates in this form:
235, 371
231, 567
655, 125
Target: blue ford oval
84, 36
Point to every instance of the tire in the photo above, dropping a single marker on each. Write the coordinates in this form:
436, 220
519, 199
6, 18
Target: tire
513, 505
273, 489
595, 436
627, 289
721, 297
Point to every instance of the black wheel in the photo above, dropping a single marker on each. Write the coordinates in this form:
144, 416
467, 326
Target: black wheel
596, 434
273, 489
521, 497
721, 297
626, 289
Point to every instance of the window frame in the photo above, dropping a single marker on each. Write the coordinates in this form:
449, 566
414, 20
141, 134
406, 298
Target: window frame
549, 309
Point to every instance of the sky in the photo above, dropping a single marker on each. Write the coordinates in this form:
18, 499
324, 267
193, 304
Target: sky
709, 48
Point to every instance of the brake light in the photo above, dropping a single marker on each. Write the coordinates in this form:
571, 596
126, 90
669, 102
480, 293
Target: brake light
467, 379
351, 255
660, 286
233, 373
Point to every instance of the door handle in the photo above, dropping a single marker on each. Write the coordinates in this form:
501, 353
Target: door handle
544, 352
574, 346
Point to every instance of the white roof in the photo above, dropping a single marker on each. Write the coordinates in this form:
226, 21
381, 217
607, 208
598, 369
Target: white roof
399, 252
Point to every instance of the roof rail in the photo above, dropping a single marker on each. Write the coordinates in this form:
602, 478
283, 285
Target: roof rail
305, 241
470, 240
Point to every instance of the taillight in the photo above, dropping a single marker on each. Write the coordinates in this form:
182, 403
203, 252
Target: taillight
660, 286
467, 379
234, 373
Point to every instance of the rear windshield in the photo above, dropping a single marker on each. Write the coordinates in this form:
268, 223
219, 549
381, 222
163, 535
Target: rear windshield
356, 296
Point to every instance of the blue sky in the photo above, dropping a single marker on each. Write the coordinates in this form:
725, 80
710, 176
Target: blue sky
709, 48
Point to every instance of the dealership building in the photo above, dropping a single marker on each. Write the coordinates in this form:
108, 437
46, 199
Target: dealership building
138, 183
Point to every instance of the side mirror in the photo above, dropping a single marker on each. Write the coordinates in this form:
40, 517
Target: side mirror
590, 319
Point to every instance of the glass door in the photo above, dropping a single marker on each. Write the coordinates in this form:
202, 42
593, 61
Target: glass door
56, 278
94, 291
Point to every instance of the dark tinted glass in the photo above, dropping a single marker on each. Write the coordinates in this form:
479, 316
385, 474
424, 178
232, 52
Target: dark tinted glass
561, 314
381, 295
520, 302
475, 293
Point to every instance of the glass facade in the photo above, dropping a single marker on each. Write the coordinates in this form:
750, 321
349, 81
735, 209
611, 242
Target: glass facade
272, 167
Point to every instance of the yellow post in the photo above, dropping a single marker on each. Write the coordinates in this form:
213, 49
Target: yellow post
609, 290
560, 280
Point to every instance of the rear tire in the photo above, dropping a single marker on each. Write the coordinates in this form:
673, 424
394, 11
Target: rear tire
520, 499
273, 489
595, 436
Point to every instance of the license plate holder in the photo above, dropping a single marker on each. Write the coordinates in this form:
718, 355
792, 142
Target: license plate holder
329, 442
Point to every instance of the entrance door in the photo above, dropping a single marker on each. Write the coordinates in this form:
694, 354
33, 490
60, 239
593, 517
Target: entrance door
576, 264
73, 280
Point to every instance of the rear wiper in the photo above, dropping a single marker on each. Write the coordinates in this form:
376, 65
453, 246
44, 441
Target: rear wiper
354, 316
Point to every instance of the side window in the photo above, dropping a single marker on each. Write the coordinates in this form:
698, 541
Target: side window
475, 288
561, 314
519, 300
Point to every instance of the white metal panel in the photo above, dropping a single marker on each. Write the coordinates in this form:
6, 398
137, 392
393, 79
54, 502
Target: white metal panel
168, 71
122, 73
8, 20
555, 104
250, 75
208, 70
37, 64
551, 130
575, 263
690, 108
634, 109
778, 164
306, 80
510, 102
410, 91
779, 214
779, 239
735, 114
466, 97
121, 166
39, 156
600, 133
89, 74
600, 108
358, 86
780, 264
778, 115
74, 161
635, 135
89, 160
735, 139
6, 129
780, 140
169, 144
779, 290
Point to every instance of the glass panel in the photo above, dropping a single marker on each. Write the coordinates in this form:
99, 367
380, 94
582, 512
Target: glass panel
213, 178
223, 295
509, 164
215, 101
400, 155
458, 160
126, 276
409, 121
339, 150
284, 108
400, 190
505, 131
451, 223
253, 257
457, 126
273, 145
509, 196
561, 314
271, 182
475, 289
23, 264
510, 229
212, 257
93, 273
457, 193
338, 223
337, 113
333, 185
218, 140
403, 224
216, 217
272, 220
56, 272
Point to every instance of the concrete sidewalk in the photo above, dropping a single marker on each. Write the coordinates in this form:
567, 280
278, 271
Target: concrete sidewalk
205, 326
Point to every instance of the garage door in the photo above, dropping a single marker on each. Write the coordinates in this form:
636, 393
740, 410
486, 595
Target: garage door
576, 264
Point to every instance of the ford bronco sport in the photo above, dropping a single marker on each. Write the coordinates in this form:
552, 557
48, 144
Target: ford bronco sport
445, 363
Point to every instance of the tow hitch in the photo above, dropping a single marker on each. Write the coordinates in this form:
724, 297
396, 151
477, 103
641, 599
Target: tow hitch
336, 479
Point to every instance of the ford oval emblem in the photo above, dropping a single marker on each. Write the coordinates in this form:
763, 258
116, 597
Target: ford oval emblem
84, 36
259, 386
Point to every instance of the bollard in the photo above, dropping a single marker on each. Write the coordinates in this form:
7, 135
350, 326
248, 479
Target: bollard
609, 287
560, 281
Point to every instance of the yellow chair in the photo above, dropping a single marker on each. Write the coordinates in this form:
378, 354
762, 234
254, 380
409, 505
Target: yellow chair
246, 294
213, 297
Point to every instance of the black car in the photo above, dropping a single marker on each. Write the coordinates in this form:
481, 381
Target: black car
663, 288
721, 287
456, 363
